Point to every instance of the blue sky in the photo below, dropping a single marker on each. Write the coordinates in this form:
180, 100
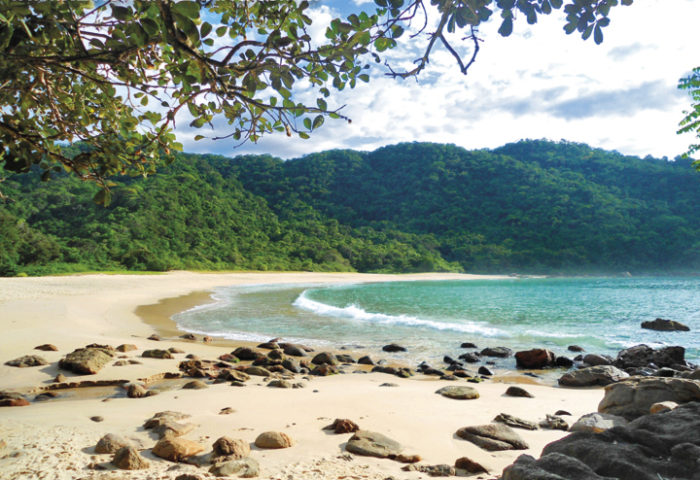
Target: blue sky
537, 83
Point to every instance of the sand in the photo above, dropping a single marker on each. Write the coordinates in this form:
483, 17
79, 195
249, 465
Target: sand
55, 439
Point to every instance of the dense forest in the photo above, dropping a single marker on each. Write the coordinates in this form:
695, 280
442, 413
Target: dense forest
530, 207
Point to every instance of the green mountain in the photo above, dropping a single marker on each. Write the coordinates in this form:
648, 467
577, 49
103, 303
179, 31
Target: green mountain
531, 206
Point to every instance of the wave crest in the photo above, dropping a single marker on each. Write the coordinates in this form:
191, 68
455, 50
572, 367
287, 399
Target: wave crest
354, 312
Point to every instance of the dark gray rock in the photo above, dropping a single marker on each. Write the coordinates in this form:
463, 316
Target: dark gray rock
345, 358
366, 360
564, 362
470, 357
575, 348
485, 371
493, 437
392, 347
515, 391
554, 466
592, 376
325, 358
664, 325
372, 444
293, 349
594, 359
648, 448
501, 352
468, 345
644, 356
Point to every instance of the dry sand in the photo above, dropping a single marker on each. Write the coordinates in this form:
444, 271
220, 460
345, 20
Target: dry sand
55, 439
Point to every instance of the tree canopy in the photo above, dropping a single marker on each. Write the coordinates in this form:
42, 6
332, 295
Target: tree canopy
116, 76
531, 207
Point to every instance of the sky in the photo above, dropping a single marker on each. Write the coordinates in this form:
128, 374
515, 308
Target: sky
538, 83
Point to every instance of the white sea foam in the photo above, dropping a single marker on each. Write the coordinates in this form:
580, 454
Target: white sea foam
356, 313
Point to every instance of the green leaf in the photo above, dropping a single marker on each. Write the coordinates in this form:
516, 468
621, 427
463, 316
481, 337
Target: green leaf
205, 29
598, 35
506, 27
198, 137
187, 8
121, 13
318, 121
304, 135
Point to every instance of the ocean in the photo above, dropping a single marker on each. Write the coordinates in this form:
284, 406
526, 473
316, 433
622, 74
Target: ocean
432, 318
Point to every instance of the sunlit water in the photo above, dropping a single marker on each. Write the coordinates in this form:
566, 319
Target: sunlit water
431, 319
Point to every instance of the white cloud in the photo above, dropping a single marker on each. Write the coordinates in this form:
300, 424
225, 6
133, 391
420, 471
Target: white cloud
538, 83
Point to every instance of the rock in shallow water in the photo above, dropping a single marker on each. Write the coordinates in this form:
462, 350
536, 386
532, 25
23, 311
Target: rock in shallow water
664, 325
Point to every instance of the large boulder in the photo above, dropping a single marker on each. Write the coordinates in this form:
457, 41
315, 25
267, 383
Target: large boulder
493, 437
535, 358
643, 355
372, 444
600, 375
664, 325
86, 361
27, 361
554, 466
648, 448
167, 424
634, 397
247, 353
176, 449
294, 350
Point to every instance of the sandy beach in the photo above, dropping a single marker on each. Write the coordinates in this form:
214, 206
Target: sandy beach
56, 438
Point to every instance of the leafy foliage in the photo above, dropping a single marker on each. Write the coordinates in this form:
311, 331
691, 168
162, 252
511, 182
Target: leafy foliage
691, 121
531, 206
117, 75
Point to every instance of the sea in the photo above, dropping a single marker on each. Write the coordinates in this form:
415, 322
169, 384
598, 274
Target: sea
433, 318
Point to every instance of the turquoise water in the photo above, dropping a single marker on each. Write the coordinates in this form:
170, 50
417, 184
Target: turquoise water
432, 318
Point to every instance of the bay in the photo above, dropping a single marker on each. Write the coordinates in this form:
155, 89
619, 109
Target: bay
432, 318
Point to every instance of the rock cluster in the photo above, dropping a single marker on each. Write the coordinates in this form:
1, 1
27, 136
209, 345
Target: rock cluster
650, 447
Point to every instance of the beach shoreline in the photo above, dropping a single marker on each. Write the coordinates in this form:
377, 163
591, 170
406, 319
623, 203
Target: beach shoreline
71, 312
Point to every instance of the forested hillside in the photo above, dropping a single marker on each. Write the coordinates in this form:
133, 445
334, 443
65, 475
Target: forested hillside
532, 206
